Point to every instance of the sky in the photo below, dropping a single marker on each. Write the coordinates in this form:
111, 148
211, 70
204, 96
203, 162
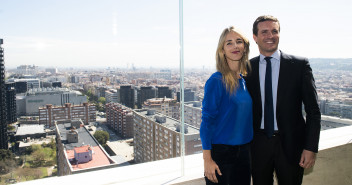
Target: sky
144, 34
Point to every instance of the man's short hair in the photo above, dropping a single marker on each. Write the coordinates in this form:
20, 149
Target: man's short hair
262, 19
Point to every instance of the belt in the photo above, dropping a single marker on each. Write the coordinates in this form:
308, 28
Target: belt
276, 132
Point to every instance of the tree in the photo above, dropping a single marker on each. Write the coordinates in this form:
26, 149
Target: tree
102, 100
6, 154
101, 104
8, 161
38, 157
10, 127
101, 136
51, 145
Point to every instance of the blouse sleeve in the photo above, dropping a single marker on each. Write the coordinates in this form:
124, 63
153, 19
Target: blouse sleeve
211, 102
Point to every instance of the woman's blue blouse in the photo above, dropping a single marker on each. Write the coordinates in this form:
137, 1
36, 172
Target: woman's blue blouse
226, 119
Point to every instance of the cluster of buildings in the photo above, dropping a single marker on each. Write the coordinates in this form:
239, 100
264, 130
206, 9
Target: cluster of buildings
334, 89
49, 102
155, 135
29, 102
45, 109
143, 105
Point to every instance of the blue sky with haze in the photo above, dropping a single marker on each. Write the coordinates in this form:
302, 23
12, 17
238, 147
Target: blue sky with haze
117, 33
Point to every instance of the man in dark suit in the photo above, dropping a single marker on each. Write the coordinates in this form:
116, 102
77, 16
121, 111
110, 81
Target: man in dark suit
279, 83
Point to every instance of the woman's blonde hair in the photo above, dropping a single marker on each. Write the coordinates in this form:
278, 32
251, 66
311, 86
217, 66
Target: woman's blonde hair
229, 78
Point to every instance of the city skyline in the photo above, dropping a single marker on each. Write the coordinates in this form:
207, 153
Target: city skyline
146, 34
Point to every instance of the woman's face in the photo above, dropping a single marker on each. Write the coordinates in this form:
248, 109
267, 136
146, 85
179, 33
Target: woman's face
233, 49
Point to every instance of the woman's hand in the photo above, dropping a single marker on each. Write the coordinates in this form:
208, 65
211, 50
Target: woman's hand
210, 167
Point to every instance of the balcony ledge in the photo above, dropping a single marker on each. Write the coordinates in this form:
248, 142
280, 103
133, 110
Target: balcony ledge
169, 171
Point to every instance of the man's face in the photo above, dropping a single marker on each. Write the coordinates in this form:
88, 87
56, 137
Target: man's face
268, 37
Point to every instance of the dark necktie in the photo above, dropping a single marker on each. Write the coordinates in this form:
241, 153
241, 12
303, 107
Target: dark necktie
268, 103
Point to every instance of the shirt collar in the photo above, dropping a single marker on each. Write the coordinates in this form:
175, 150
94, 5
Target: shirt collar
275, 55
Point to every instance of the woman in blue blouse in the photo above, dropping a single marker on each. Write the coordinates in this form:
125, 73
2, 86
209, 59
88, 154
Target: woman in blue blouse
226, 128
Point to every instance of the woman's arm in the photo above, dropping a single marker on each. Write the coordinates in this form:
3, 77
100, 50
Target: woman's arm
210, 167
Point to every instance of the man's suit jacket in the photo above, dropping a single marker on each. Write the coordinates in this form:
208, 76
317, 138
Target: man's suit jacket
296, 86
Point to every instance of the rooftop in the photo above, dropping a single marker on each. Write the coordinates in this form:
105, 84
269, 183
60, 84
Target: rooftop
81, 149
56, 90
194, 104
85, 140
84, 137
99, 159
170, 123
30, 129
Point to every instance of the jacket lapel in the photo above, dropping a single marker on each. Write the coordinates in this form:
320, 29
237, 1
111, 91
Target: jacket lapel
256, 85
284, 75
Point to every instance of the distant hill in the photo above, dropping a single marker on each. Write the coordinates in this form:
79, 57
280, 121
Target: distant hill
331, 64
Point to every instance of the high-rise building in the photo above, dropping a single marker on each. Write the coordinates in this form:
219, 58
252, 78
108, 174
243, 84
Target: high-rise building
3, 117
164, 91
127, 96
11, 103
144, 93
21, 87
189, 95
157, 137
120, 119
56, 84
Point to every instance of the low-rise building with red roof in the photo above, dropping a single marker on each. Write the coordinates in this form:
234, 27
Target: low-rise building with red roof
79, 151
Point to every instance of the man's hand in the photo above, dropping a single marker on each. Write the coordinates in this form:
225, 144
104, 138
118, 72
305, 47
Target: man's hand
307, 159
210, 167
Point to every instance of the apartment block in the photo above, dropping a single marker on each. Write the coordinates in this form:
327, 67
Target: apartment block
49, 114
112, 95
193, 113
166, 106
120, 119
157, 137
